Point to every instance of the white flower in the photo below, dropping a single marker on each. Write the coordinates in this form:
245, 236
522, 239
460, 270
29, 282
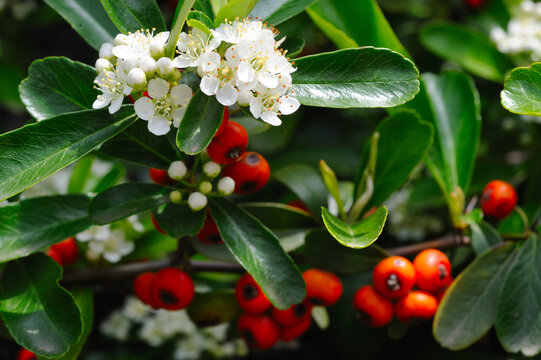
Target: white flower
138, 44
116, 326
268, 104
165, 66
164, 107
192, 47
106, 51
148, 65
197, 201
135, 310
137, 78
211, 169
235, 31
103, 65
109, 244
177, 170
113, 87
226, 185
220, 82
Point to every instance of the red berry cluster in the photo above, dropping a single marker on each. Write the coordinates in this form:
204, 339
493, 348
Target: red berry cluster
262, 325
160, 176
209, 233
169, 288
392, 291
24, 354
498, 199
65, 252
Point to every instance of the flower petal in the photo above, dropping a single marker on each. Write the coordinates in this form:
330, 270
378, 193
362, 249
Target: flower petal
268, 79
158, 125
178, 114
101, 102
209, 85
227, 95
181, 94
158, 88
255, 107
115, 104
288, 105
271, 118
144, 108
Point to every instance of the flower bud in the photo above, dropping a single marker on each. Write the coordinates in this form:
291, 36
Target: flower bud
103, 65
165, 66
148, 65
177, 170
157, 49
120, 39
175, 196
205, 187
211, 169
226, 185
197, 201
127, 65
106, 51
244, 98
137, 78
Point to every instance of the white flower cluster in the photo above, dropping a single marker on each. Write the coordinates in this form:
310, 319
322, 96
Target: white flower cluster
109, 241
239, 62
523, 35
159, 326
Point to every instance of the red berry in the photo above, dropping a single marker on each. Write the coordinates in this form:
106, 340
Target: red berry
259, 331
172, 289
298, 204
24, 354
209, 233
225, 120
439, 295
292, 332
228, 147
432, 270
55, 256
372, 308
394, 277
417, 305
141, 287
499, 199
322, 287
159, 176
156, 225
250, 296
475, 4
67, 249
250, 173
294, 314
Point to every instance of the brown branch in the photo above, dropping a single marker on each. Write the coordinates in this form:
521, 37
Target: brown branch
446, 242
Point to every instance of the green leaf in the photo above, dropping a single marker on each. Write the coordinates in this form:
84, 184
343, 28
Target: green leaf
10, 78
34, 224
360, 20
331, 182
181, 13
306, 183
138, 145
58, 85
483, 236
80, 173
365, 77
112, 178
293, 45
319, 245
205, 7
258, 251
85, 302
518, 321
234, 9
87, 19
357, 235
199, 124
133, 15
337, 36
468, 308
40, 315
213, 308
124, 200
470, 49
321, 317
61, 140
522, 90
279, 216
180, 220
277, 11
394, 164
201, 17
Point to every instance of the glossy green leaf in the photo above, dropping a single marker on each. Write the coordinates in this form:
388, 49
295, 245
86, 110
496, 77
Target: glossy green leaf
205, 7
80, 173
10, 78
62, 140
470, 49
233, 9
336, 35
357, 235
278, 11
360, 20
124, 200
319, 245
85, 302
199, 124
293, 45
87, 19
180, 220
331, 182
213, 308
365, 77
58, 85
201, 17
483, 236
34, 224
40, 315
522, 90
138, 145
394, 164
468, 308
306, 183
112, 178
518, 321
258, 251
133, 15
279, 216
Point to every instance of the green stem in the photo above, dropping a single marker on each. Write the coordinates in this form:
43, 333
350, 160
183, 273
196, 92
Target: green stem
181, 13
524, 218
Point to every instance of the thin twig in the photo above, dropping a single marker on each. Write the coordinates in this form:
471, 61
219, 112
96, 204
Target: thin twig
446, 242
